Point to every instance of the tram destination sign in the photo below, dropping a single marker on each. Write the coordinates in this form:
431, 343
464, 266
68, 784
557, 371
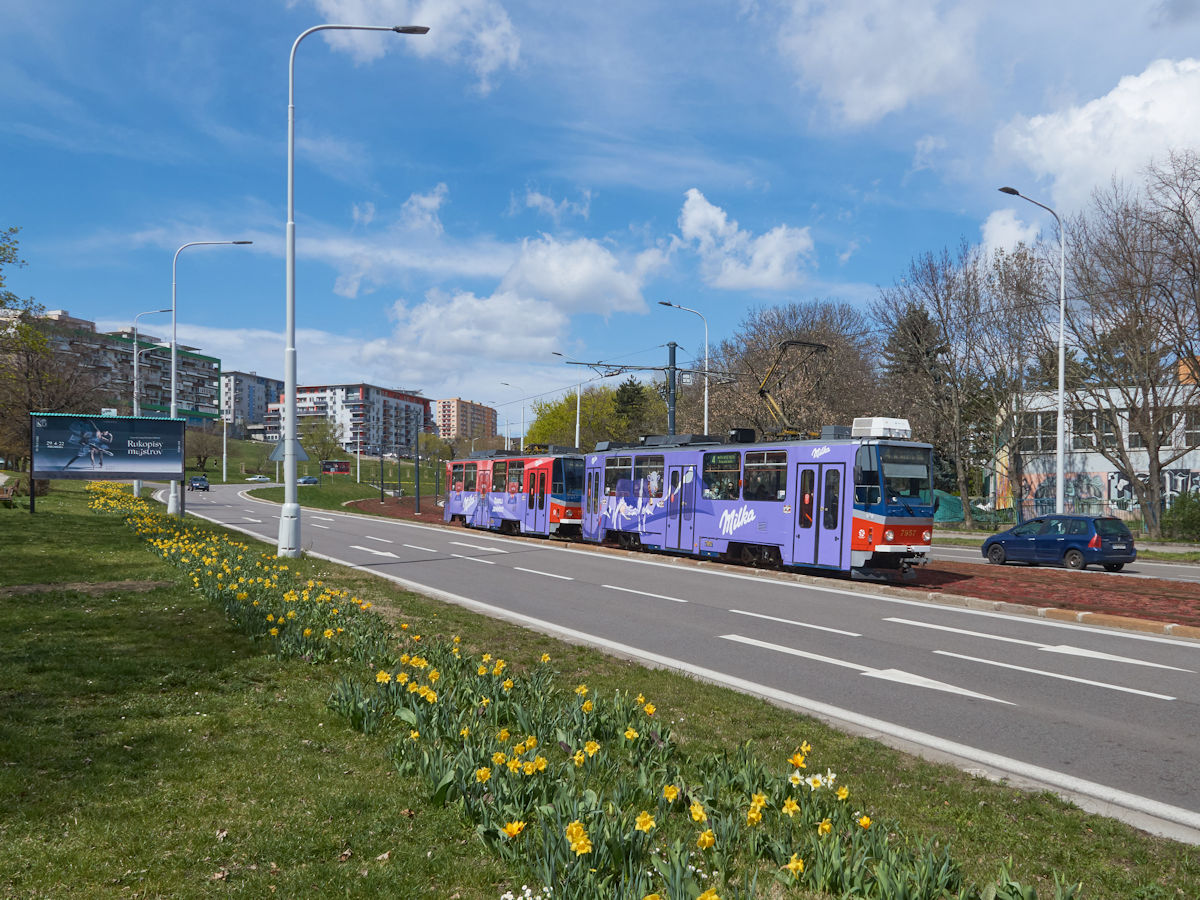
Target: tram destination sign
106, 448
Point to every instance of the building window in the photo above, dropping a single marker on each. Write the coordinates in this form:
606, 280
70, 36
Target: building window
1191, 428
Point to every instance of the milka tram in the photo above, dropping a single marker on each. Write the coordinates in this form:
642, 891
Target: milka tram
852, 499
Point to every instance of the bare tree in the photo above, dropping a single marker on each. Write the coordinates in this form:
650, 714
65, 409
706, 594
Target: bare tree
1124, 328
949, 289
203, 442
811, 388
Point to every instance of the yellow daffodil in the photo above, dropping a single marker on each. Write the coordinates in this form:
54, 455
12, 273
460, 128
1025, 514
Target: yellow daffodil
843, 792
753, 816
805, 747
507, 685
644, 822
649, 709
465, 732
630, 734
759, 800
503, 736
864, 821
591, 748
797, 760
383, 677
706, 839
545, 657
670, 792
582, 690
790, 807
698, 813
413, 735
512, 829
587, 706
710, 894
579, 758
482, 774
499, 759
795, 865
482, 670
825, 827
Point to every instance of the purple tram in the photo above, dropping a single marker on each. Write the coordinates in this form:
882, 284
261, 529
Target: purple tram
856, 499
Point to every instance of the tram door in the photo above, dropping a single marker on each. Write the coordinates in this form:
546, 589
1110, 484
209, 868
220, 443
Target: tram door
537, 511
591, 504
819, 527
681, 507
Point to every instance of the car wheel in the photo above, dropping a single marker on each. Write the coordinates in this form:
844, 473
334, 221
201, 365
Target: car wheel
1073, 559
1113, 567
996, 555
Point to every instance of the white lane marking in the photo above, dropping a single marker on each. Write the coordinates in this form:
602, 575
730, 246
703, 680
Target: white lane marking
1065, 649
324, 518
613, 587
415, 547
478, 547
536, 572
255, 521
315, 525
488, 562
381, 540
742, 612
374, 552
1101, 684
884, 674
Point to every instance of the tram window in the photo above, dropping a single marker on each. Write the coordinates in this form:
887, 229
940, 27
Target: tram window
457, 477
831, 499
650, 470
906, 474
766, 475
556, 479
499, 476
722, 472
675, 483
516, 475
541, 490
616, 468
808, 483
866, 476
573, 474
469, 476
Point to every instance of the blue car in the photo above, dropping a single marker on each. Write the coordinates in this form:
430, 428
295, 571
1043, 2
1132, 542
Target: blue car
1071, 541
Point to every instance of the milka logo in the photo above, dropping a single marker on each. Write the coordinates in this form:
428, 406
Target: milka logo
818, 452
733, 519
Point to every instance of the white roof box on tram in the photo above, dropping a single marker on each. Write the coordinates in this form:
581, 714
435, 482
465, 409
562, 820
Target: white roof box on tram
881, 426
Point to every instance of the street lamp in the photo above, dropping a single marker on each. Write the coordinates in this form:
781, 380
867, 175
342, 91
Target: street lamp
289, 515
506, 384
1060, 486
578, 401
705, 321
173, 497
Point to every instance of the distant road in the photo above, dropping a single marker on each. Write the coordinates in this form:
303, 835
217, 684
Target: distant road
1144, 568
1109, 718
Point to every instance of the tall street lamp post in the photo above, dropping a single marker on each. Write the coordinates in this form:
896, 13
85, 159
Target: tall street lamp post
1060, 467
578, 401
705, 321
173, 497
289, 515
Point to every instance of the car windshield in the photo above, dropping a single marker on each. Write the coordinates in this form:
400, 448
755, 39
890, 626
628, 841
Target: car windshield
1112, 528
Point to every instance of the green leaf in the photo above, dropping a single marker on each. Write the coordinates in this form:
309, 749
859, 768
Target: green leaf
439, 796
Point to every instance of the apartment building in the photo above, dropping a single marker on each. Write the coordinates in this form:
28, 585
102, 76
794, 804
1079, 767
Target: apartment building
462, 418
245, 397
110, 355
366, 416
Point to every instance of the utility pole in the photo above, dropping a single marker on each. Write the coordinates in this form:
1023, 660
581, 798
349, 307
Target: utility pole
671, 387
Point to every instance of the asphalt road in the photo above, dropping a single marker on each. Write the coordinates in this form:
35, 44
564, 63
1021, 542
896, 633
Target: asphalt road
1108, 718
1143, 567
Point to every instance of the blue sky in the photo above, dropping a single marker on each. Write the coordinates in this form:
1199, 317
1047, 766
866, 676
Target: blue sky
533, 176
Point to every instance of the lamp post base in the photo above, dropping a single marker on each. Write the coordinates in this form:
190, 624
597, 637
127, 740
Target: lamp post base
137, 487
289, 530
173, 499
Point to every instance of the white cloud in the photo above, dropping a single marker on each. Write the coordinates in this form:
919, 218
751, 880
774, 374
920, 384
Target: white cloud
1080, 148
477, 32
925, 150
736, 260
364, 213
343, 160
1003, 231
577, 276
420, 211
557, 211
869, 58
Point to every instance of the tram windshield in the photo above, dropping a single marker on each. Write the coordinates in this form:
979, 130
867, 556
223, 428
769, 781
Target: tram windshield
570, 470
906, 478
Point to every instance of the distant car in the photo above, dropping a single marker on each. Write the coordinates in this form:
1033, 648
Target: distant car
1071, 541
198, 483
258, 478
308, 479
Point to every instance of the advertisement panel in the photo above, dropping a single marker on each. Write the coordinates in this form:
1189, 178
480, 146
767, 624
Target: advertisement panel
105, 448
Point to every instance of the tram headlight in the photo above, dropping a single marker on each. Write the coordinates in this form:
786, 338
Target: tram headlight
889, 535
927, 535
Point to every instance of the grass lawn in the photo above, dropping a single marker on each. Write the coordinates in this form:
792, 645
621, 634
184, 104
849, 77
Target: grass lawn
148, 749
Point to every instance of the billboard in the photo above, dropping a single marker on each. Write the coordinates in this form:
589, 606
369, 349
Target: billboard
105, 448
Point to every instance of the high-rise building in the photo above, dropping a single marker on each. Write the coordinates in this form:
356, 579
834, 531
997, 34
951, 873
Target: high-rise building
462, 418
244, 400
365, 416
